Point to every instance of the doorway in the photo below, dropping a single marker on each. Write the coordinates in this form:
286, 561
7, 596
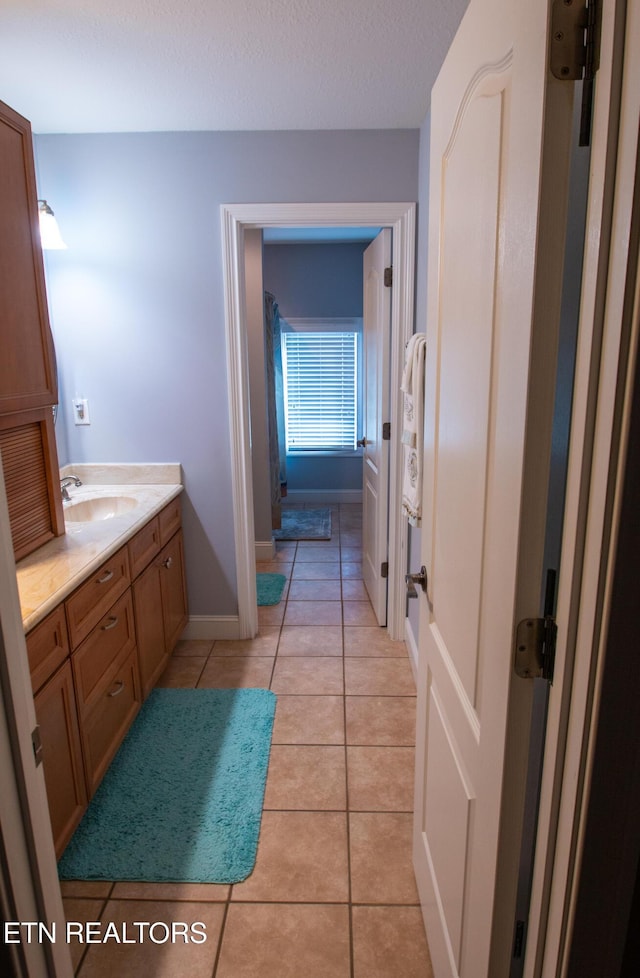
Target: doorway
236, 219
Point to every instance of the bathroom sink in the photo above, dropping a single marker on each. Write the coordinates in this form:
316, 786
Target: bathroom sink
98, 508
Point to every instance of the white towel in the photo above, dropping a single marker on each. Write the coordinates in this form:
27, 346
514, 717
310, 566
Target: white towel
413, 427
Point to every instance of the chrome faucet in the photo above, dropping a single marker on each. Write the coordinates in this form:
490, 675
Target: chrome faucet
67, 481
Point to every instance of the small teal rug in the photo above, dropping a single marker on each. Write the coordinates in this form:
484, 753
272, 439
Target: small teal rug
182, 800
270, 588
304, 524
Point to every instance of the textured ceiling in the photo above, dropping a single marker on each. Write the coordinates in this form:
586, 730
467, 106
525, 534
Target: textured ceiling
141, 65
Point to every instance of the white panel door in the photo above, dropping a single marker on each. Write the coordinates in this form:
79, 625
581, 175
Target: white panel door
492, 110
376, 348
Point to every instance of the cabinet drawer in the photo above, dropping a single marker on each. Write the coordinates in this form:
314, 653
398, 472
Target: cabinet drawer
106, 725
92, 600
170, 518
112, 637
47, 647
143, 547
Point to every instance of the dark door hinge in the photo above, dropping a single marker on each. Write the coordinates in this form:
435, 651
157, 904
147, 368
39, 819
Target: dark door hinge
535, 650
386, 431
388, 276
574, 50
36, 743
384, 569
518, 941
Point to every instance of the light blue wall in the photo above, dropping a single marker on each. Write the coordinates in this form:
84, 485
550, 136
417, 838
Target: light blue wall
312, 281
315, 280
137, 300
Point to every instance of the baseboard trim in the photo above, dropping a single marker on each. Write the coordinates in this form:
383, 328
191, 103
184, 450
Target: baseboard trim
412, 648
265, 549
212, 627
325, 496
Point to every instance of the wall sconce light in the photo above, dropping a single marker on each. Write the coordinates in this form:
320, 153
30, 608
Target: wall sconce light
49, 230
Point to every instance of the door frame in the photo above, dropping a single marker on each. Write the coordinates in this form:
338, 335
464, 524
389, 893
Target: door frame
235, 219
594, 478
30, 882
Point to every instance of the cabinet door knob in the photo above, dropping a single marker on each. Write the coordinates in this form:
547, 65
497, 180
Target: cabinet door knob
118, 689
168, 562
105, 577
111, 623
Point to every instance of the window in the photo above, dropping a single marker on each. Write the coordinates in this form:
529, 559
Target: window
320, 372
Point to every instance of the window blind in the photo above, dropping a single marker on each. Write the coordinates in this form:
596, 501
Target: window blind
321, 390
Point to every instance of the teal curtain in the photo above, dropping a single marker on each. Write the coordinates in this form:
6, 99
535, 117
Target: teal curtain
275, 408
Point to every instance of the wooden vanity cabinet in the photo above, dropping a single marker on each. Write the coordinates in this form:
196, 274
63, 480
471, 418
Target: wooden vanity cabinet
95, 658
159, 596
57, 718
105, 663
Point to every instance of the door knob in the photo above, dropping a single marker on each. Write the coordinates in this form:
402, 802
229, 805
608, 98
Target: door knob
361, 442
412, 579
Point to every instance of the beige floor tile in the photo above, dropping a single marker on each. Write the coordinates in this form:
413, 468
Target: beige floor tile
302, 857
354, 591
359, 613
389, 942
315, 591
194, 646
234, 673
201, 892
313, 613
318, 545
318, 555
285, 941
266, 643
303, 778
372, 641
270, 615
85, 888
310, 640
285, 549
183, 672
378, 677
310, 674
328, 570
80, 911
381, 720
380, 779
351, 555
381, 863
351, 571
278, 566
309, 720
162, 960
351, 538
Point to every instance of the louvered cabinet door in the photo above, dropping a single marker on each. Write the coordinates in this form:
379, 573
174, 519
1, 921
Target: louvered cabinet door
29, 460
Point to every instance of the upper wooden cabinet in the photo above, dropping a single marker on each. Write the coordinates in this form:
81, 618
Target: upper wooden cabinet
28, 386
27, 363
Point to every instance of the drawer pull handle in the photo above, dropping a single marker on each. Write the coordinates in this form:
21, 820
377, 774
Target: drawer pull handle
168, 562
112, 622
105, 577
118, 689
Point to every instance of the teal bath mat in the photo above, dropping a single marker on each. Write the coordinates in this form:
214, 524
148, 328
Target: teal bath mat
304, 524
270, 588
182, 800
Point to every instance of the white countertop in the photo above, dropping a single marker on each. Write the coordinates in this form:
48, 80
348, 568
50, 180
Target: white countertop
47, 576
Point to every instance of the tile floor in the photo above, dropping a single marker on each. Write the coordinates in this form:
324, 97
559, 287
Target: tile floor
332, 894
